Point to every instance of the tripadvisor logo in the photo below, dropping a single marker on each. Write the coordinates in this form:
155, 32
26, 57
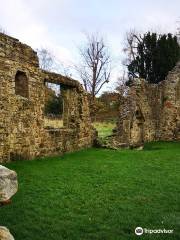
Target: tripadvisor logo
139, 231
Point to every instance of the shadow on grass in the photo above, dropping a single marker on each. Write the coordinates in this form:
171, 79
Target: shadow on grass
151, 148
154, 146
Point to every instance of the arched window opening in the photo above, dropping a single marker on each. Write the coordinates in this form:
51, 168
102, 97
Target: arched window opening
21, 84
139, 115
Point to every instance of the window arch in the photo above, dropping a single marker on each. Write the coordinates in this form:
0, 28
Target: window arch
138, 114
21, 84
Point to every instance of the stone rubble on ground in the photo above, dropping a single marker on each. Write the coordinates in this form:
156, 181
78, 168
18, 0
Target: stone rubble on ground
5, 234
8, 183
8, 187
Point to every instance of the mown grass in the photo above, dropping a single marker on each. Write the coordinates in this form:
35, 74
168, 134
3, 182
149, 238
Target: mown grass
104, 128
97, 194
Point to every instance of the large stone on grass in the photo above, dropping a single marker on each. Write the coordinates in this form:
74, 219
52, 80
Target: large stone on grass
5, 234
8, 184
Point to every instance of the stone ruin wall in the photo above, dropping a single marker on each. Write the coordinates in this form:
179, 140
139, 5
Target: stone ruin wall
150, 112
23, 134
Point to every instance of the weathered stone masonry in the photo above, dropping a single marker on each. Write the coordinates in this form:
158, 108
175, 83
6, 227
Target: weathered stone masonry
149, 112
23, 134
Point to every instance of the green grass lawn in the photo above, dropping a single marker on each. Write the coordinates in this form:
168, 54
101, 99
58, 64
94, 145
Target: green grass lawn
97, 194
104, 128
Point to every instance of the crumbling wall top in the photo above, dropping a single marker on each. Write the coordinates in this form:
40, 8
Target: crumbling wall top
12, 49
60, 79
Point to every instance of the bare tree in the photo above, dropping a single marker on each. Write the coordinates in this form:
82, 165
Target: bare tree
2, 30
178, 31
121, 84
46, 59
132, 38
49, 62
95, 66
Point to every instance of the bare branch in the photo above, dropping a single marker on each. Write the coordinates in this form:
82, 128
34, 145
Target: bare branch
46, 59
95, 68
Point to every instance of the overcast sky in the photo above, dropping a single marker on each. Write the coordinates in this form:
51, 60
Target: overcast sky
59, 24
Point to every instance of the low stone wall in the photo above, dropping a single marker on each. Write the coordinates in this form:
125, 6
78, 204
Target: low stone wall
53, 122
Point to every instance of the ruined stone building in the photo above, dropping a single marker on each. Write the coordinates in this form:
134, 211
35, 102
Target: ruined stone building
23, 134
150, 112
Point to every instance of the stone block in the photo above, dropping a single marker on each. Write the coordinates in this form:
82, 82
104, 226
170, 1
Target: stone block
8, 183
5, 234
